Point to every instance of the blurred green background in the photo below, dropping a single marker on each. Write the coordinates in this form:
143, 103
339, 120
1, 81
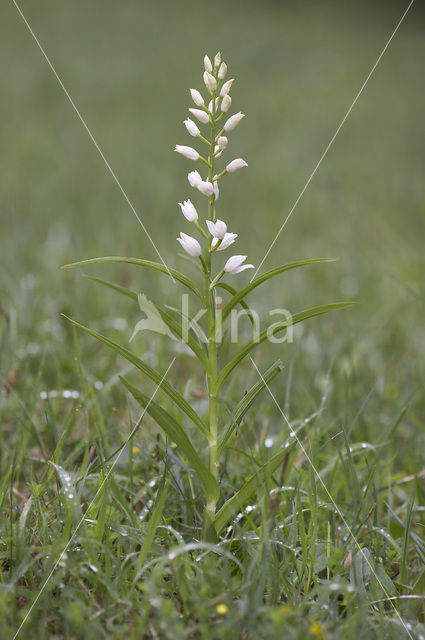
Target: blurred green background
128, 67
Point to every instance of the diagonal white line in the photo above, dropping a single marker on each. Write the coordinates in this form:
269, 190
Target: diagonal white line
338, 510
92, 138
341, 124
61, 555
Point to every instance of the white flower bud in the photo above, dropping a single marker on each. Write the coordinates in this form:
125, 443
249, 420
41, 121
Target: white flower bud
217, 60
192, 128
216, 190
234, 264
218, 229
225, 103
233, 121
222, 71
206, 188
236, 164
200, 115
228, 239
190, 245
207, 64
188, 210
196, 97
210, 81
217, 151
194, 178
226, 87
187, 152
222, 142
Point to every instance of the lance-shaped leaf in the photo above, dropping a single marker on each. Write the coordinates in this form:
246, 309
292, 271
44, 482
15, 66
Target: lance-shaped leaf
247, 401
175, 433
112, 285
229, 289
177, 398
175, 327
238, 501
172, 273
240, 295
272, 330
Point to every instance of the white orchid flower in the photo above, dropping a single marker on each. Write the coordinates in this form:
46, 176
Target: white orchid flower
187, 152
188, 210
222, 71
226, 87
194, 178
233, 121
228, 239
210, 81
196, 97
226, 103
217, 229
207, 64
190, 245
200, 115
192, 128
236, 164
206, 188
234, 265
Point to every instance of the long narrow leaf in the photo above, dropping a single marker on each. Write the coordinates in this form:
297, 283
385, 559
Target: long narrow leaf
279, 326
177, 328
117, 287
240, 295
174, 326
151, 373
244, 305
239, 499
172, 273
175, 432
247, 401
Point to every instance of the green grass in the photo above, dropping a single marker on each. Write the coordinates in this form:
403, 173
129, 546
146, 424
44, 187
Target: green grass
352, 383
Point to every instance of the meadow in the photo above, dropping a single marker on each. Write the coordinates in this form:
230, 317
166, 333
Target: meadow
332, 543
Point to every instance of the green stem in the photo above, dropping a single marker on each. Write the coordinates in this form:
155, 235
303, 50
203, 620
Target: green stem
212, 345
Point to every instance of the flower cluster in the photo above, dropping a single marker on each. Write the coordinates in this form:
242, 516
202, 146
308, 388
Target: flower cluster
216, 236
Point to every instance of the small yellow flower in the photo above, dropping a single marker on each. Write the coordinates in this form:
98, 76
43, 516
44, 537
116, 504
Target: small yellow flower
136, 449
222, 609
316, 629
